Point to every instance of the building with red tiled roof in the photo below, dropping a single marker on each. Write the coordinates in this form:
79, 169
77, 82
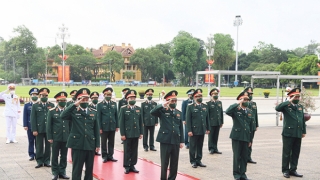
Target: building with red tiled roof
126, 52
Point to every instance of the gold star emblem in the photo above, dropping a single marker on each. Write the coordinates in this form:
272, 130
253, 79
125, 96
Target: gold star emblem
173, 93
84, 92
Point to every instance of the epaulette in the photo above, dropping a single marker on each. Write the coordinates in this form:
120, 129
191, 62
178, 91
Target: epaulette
92, 109
52, 109
190, 104
178, 110
123, 106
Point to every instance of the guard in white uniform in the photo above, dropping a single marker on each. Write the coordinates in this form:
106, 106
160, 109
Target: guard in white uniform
11, 112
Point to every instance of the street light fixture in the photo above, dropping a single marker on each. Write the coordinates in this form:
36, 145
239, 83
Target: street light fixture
210, 52
62, 35
237, 22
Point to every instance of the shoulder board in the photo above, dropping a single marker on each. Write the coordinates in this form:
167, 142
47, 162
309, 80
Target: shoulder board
178, 110
190, 104
136, 106
123, 106
92, 109
52, 109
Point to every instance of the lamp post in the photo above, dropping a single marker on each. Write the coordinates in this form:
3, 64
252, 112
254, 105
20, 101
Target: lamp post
62, 35
25, 53
210, 51
237, 22
317, 52
46, 73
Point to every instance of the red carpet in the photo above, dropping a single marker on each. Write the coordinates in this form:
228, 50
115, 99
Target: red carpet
114, 170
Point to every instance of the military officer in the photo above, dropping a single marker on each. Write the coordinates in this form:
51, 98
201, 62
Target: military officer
294, 129
107, 115
149, 121
215, 120
84, 137
94, 104
170, 134
241, 134
123, 101
39, 113
11, 112
33, 92
57, 134
131, 131
197, 118
73, 98
94, 100
184, 106
253, 106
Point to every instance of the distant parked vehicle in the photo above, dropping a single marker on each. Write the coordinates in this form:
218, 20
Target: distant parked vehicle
134, 83
152, 83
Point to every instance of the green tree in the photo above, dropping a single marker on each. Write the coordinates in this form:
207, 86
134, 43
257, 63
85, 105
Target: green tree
224, 55
184, 52
82, 66
128, 75
114, 62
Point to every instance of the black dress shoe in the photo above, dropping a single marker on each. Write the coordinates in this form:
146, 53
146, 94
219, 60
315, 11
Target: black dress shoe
31, 159
236, 178
211, 151
253, 162
47, 165
113, 160
244, 179
217, 152
63, 176
39, 166
146, 149
54, 177
194, 165
97, 154
294, 173
105, 160
153, 149
201, 165
133, 169
126, 170
286, 175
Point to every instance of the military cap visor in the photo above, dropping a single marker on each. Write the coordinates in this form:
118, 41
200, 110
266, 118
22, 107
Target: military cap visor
171, 95
197, 92
44, 91
131, 93
61, 95
73, 92
83, 92
125, 89
149, 91
243, 95
190, 91
294, 92
214, 91
33, 91
249, 90
107, 90
94, 94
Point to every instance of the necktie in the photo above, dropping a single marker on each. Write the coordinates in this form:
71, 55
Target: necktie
11, 95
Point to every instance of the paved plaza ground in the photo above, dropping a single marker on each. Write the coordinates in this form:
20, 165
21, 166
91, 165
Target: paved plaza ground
267, 149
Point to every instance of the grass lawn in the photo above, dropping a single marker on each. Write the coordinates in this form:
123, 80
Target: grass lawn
23, 91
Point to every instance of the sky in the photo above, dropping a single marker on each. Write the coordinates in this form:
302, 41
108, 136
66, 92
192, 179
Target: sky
287, 24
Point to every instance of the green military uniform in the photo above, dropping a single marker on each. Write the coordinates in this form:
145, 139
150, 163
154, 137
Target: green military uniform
84, 136
170, 136
58, 130
216, 121
39, 113
108, 123
294, 127
241, 135
130, 121
149, 121
253, 107
94, 104
184, 106
197, 118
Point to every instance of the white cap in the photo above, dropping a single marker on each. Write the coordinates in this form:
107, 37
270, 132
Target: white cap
288, 89
109, 86
11, 85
